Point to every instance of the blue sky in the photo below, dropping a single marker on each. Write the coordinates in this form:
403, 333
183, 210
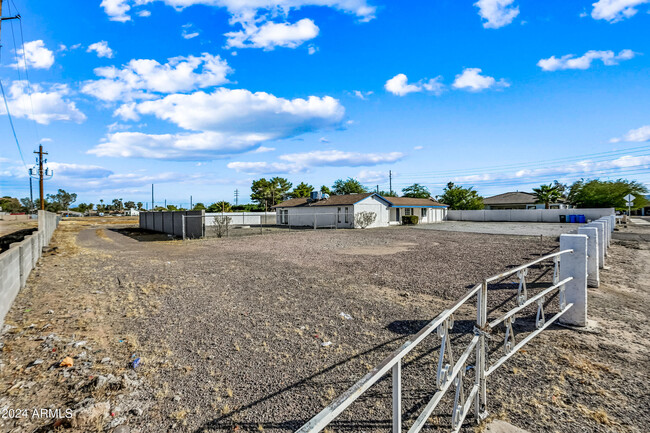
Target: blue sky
201, 96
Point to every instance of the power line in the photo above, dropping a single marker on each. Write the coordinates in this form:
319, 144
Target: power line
11, 122
598, 155
29, 84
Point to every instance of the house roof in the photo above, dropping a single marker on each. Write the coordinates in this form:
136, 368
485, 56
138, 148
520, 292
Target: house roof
516, 197
350, 199
335, 200
416, 202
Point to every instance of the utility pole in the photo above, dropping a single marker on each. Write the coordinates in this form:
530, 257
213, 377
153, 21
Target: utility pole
40, 174
31, 195
390, 181
191, 203
152, 202
236, 197
15, 17
377, 189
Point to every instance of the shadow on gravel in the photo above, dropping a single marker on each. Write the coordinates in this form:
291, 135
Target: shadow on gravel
142, 235
226, 422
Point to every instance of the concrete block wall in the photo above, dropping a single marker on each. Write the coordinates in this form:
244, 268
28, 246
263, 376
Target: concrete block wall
526, 215
18, 261
172, 223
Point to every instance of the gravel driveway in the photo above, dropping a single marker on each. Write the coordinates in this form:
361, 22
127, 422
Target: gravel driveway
261, 333
503, 228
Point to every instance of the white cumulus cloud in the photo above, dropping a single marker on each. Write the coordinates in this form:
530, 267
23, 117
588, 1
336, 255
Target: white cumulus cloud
399, 85
472, 80
181, 146
615, 10
241, 110
570, 61
496, 13
101, 48
240, 10
36, 56
299, 162
223, 122
270, 35
50, 103
638, 135
257, 18
140, 78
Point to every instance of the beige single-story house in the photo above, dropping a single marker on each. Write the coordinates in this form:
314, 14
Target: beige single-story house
517, 200
339, 211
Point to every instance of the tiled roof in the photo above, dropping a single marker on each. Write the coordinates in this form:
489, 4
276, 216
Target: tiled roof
335, 200
350, 199
408, 201
511, 198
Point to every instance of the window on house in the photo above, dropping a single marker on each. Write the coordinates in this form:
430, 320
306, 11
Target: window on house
408, 211
424, 212
346, 215
338, 215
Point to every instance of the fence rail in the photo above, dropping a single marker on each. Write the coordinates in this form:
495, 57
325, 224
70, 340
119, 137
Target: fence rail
451, 372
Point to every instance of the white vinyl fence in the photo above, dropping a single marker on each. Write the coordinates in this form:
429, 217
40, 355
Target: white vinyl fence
570, 275
525, 215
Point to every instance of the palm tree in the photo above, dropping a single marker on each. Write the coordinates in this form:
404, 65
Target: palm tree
547, 194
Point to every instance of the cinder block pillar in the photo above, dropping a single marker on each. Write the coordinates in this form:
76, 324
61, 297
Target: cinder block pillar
574, 265
608, 232
593, 278
612, 221
601, 241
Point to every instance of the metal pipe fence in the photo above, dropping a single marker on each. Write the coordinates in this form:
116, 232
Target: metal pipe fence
453, 373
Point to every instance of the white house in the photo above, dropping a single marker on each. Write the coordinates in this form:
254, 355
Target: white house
339, 211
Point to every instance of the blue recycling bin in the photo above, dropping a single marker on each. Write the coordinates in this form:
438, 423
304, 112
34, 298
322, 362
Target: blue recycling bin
572, 219
582, 219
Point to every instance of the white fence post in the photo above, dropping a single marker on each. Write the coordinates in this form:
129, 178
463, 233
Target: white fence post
574, 265
593, 278
602, 245
397, 397
608, 231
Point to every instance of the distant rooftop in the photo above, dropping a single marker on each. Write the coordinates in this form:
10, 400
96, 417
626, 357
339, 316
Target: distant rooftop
515, 197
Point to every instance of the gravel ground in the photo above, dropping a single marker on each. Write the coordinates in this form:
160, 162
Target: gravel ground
503, 228
231, 331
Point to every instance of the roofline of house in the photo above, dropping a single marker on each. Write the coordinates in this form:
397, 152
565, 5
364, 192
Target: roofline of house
437, 207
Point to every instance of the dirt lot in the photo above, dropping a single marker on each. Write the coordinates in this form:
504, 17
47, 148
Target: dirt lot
230, 332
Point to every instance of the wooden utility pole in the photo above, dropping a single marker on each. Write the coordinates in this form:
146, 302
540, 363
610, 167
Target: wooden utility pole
15, 17
40, 174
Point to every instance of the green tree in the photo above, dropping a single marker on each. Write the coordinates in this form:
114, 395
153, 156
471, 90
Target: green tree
171, 207
598, 193
61, 200
220, 206
547, 194
325, 190
10, 204
270, 192
387, 193
199, 206
349, 186
416, 191
27, 204
117, 204
302, 190
128, 205
459, 198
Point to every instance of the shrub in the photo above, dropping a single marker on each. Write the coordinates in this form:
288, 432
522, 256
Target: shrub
221, 225
364, 219
409, 220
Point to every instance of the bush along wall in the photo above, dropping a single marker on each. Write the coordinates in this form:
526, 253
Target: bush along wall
409, 220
